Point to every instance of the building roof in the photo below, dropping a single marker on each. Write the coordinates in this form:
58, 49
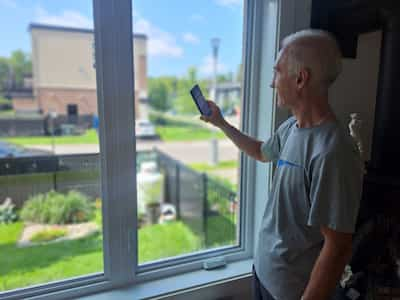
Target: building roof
73, 29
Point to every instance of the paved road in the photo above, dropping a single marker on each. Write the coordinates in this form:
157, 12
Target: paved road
187, 152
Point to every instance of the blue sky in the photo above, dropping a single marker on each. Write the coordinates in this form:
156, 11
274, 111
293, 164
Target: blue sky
179, 31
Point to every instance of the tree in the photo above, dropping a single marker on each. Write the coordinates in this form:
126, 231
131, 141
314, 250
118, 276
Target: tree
228, 77
158, 95
21, 65
169, 92
161, 92
15, 67
4, 74
184, 102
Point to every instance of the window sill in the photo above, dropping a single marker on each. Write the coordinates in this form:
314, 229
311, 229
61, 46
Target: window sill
188, 281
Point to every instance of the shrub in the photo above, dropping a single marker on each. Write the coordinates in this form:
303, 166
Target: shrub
48, 235
7, 212
57, 208
162, 119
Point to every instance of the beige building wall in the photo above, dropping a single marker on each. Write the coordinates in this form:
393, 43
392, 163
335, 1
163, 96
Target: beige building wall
63, 71
62, 59
140, 62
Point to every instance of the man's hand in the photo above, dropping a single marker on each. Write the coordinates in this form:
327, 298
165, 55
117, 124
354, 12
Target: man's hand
216, 117
245, 143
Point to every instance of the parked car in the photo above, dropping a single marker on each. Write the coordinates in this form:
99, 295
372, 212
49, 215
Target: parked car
9, 150
145, 129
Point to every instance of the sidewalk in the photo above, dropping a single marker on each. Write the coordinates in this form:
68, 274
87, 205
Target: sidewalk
187, 152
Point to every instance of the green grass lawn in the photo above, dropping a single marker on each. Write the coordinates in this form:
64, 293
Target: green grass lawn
166, 133
227, 164
221, 231
166, 240
7, 113
90, 137
189, 133
21, 267
4, 101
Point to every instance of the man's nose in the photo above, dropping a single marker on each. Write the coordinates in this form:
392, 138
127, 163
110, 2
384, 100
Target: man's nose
272, 84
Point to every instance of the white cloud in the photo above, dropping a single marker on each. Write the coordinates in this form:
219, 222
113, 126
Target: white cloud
197, 18
8, 3
207, 67
190, 38
160, 42
67, 18
230, 3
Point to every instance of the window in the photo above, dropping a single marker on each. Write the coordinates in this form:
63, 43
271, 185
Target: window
72, 109
187, 183
50, 183
148, 193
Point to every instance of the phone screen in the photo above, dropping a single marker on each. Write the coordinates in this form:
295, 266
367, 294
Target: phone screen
201, 103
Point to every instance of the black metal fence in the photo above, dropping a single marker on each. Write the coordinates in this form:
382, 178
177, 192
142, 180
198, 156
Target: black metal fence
201, 202
23, 177
41, 125
22, 126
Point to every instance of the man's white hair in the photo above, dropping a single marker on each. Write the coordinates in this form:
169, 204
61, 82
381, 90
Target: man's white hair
316, 50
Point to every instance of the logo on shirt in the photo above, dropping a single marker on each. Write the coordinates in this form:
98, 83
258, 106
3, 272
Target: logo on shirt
282, 163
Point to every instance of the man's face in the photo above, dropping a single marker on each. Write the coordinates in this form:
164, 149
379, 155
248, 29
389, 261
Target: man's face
283, 82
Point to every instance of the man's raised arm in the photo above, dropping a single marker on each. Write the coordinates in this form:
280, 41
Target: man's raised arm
245, 143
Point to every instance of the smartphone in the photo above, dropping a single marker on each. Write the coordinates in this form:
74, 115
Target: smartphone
200, 101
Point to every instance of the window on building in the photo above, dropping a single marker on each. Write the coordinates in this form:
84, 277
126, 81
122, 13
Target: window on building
72, 113
72, 109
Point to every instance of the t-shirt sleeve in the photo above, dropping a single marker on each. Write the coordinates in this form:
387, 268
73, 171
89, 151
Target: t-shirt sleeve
335, 191
271, 148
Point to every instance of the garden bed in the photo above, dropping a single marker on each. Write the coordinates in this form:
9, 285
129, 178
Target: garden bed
73, 231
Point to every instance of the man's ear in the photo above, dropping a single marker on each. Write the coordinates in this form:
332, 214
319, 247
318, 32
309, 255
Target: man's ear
303, 77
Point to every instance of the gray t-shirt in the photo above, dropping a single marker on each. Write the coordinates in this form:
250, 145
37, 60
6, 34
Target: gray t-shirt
317, 181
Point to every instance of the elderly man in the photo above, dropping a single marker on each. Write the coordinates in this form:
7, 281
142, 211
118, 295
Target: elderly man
306, 231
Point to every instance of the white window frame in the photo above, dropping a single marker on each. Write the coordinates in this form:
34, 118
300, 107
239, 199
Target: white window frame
194, 261
265, 22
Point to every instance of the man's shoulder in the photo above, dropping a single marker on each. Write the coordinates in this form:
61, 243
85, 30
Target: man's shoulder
336, 141
287, 124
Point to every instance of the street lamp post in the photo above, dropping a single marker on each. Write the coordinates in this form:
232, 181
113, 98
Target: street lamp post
215, 42
214, 142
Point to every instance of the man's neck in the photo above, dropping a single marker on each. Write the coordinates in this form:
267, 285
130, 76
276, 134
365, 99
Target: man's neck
313, 113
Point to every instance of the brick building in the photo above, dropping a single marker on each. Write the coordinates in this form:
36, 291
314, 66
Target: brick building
64, 77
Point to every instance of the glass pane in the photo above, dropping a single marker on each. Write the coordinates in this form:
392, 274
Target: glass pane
50, 194
187, 171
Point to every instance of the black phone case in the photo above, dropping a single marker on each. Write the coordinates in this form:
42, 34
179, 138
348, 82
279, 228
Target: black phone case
195, 100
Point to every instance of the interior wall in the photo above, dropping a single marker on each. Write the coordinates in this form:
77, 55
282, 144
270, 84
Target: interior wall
355, 89
238, 289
